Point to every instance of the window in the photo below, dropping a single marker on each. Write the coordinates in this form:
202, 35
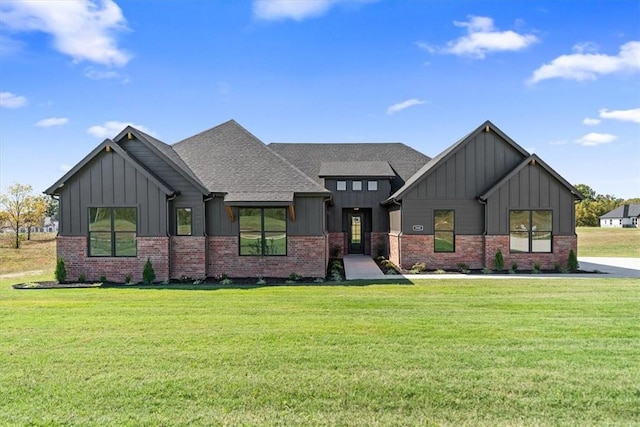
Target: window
356, 185
183, 221
112, 232
341, 185
443, 227
530, 231
263, 231
372, 185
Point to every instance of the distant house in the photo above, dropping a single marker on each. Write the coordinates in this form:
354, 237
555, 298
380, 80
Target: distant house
622, 216
223, 202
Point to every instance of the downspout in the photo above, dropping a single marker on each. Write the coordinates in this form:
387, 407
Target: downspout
326, 232
169, 199
204, 232
484, 233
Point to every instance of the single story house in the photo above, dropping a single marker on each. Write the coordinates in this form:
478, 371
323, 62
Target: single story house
224, 203
622, 216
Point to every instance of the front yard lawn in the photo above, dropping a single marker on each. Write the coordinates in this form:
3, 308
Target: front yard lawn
437, 352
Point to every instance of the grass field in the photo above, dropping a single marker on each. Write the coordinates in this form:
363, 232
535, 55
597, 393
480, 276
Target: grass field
614, 242
548, 352
35, 255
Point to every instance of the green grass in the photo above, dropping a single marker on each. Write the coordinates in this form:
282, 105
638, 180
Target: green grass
608, 242
440, 352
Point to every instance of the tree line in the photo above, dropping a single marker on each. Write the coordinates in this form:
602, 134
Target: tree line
594, 205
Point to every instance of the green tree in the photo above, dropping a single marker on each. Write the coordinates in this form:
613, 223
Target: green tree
15, 206
53, 208
588, 192
589, 210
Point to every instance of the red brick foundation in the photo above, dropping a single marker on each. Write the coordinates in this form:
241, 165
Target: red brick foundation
420, 248
73, 250
306, 256
188, 257
379, 244
561, 247
338, 240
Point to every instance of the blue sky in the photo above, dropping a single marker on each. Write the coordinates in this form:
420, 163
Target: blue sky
562, 78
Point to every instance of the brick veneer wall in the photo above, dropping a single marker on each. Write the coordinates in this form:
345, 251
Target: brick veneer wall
188, 257
379, 243
561, 247
73, 250
339, 240
306, 255
420, 248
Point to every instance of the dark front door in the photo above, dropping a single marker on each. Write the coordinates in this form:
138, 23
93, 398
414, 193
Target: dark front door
356, 245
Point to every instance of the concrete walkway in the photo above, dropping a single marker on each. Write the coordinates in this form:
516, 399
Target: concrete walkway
361, 267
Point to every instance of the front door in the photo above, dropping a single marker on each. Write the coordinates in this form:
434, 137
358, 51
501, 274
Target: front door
356, 245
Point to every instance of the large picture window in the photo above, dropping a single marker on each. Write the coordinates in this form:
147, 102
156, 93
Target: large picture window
183, 222
530, 231
263, 231
112, 232
444, 227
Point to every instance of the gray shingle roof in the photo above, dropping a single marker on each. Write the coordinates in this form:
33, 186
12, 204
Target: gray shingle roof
371, 168
625, 211
227, 158
404, 160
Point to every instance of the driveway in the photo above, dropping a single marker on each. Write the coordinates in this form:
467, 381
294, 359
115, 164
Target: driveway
615, 267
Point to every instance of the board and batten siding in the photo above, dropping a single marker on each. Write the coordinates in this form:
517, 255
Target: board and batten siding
531, 188
363, 199
108, 180
189, 195
456, 183
308, 221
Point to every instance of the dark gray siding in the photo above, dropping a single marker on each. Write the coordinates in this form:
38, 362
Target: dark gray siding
531, 188
308, 211
395, 219
363, 199
189, 195
108, 180
469, 215
457, 181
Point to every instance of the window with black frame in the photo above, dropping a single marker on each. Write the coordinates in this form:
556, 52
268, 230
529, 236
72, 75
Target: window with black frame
184, 222
112, 232
263, 231
444, 231
530, 231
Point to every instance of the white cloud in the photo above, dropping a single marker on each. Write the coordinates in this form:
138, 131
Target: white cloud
591, 122
585, 47
53, 121
11, 100
587, 66
112, 128
592, 139
403, 105
298, 10
632, 115
95, 74
482, 38
82, 29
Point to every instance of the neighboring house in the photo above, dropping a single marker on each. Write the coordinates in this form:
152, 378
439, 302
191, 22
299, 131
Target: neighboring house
622, 216
223, 202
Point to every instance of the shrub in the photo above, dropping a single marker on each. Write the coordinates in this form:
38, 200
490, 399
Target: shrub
440, 271
318, 280
261, 282
226, 281
336, 276
463, 268
418, 267
128, 279
514, 266
487, 270
148, 274
557, 267
82, 278
61, 271
498, 261
537, 267
294, 277
337, 265
102, 278
572, 263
